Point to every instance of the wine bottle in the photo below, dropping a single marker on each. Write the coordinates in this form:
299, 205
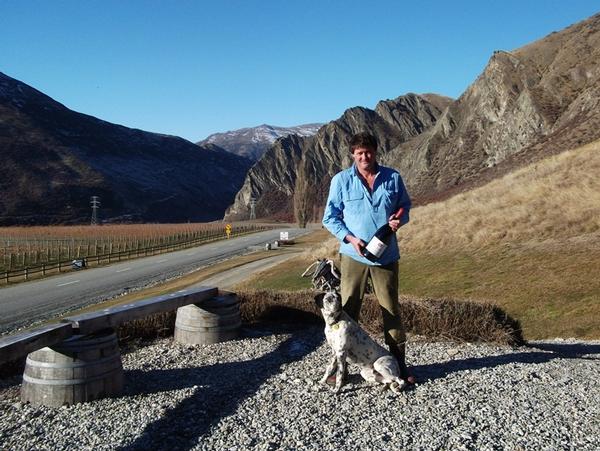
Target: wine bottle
380, 241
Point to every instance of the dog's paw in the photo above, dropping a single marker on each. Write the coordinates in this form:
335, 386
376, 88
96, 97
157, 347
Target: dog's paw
397, 387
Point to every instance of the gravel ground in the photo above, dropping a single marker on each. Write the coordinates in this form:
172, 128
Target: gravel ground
261, 392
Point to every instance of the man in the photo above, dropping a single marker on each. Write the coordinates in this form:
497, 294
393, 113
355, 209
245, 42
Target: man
361, 200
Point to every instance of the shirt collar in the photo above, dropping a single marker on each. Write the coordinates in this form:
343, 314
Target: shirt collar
355, 170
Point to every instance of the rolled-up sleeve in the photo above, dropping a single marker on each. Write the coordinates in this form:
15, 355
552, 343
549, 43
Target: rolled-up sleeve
403, 201
333, 218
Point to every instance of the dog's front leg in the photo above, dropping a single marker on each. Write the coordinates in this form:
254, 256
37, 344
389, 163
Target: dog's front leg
341, 370
330, 368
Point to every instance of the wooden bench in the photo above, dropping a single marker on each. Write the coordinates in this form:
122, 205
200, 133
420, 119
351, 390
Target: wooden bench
18, 345
78, 359
112, 317
15, 346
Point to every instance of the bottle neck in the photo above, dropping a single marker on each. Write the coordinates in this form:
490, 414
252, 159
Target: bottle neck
398, 213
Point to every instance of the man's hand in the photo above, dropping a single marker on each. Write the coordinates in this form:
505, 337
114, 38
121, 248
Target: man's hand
357, 244
394, 223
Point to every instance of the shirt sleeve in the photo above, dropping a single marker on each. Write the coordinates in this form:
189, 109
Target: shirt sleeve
403, 201
333, 218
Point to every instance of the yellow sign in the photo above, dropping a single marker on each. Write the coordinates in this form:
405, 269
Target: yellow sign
228, 230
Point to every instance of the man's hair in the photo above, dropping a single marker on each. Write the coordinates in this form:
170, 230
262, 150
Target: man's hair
365, 140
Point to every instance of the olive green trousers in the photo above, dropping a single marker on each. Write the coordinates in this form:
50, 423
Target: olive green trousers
385, 285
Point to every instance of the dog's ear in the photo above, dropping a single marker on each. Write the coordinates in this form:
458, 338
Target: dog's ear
319, 299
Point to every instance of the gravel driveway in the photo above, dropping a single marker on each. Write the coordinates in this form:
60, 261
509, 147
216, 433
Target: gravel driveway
261, 393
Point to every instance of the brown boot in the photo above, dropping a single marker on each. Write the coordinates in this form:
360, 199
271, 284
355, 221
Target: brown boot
400, 354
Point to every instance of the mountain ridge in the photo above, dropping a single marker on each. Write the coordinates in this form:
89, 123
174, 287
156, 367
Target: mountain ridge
252, 142
529, 103
55, 159
272, 179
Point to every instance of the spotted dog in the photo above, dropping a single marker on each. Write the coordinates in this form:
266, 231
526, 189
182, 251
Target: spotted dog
349, 342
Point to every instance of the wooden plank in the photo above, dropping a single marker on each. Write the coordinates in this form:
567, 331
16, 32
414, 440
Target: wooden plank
18, 345
88, 323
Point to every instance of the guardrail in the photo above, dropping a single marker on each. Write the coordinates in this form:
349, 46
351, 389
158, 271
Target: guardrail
78, 359
60, 266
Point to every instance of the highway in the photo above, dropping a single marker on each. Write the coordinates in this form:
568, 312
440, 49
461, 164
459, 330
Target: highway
31, 302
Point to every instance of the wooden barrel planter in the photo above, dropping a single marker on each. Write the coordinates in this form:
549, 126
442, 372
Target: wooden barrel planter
212, 321
80, 369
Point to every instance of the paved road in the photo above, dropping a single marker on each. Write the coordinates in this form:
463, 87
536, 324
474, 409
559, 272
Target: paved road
30, 302
228, 279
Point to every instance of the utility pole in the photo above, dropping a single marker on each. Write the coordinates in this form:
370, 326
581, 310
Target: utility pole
95, 203
252, 208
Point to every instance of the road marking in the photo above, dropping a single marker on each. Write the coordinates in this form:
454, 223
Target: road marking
163, 260
191, 253
67, 283
123, 270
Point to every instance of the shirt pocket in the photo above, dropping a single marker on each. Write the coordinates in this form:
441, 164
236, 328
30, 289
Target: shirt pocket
353, 202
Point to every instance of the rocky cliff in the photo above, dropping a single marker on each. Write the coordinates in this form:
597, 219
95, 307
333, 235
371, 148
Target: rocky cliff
272, 179
54, 159
528, 103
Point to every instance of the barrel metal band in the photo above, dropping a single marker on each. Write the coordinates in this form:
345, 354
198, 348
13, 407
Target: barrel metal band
38, 364
36, 381
209, 329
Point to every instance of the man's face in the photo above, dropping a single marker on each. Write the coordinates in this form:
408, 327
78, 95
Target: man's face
364, 158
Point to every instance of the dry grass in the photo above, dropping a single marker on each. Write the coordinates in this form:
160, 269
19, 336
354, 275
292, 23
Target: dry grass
529, 242
155, 326
553, 292
432, 318
437, 319
21, 234
555, 199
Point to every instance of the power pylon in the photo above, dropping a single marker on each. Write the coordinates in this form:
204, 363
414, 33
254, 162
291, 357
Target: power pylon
95, 203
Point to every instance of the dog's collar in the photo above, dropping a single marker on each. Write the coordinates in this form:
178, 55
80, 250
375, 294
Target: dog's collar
334, 321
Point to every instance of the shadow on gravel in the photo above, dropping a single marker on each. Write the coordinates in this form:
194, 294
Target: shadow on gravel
434, 371
220, 389
571, 350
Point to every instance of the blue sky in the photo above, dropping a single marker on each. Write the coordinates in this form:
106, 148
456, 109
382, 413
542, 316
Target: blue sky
192, 68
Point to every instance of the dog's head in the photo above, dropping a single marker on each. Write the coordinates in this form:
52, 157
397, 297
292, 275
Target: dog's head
329, 302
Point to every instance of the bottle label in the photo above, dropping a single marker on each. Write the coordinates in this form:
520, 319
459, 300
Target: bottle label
376, 247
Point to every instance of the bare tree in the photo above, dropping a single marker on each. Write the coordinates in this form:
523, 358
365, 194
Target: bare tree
304, 196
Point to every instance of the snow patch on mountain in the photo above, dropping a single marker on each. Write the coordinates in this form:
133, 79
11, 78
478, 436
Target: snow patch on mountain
252, 142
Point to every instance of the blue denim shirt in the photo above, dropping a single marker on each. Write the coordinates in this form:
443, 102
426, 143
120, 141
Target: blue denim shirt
352, 209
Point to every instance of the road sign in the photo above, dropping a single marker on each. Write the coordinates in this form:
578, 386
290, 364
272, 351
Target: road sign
284, 236
228, 230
